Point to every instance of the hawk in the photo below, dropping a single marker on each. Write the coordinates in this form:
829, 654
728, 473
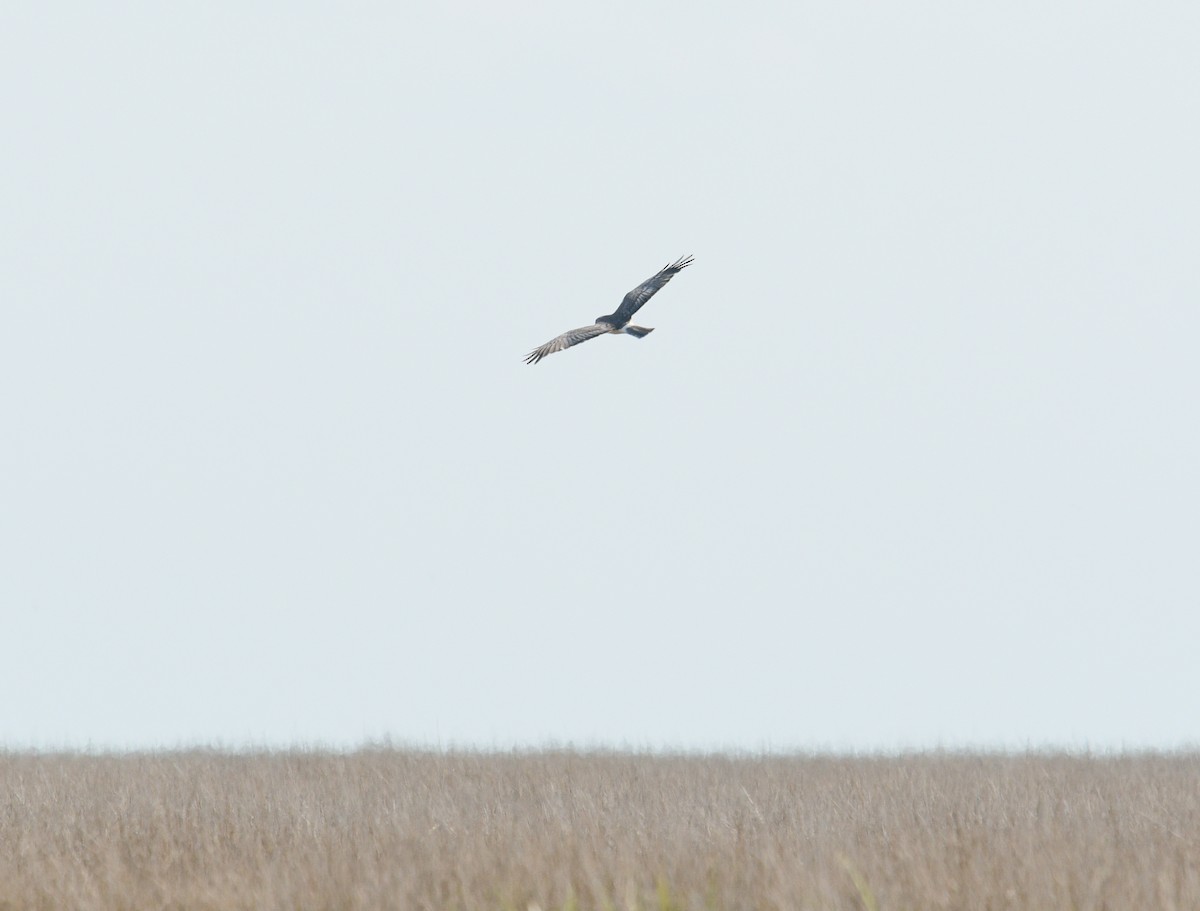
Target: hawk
618, 320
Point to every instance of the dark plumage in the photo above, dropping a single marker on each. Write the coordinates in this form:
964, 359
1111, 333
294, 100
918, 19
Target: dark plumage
618, 320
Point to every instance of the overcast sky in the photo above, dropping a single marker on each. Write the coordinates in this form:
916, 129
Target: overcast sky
910, 461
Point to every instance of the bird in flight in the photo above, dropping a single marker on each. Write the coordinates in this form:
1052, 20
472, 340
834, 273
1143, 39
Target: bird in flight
617, 321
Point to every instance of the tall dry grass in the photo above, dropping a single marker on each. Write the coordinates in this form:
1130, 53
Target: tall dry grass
396, 829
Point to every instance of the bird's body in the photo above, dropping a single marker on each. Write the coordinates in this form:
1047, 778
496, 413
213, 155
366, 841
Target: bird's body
616, 322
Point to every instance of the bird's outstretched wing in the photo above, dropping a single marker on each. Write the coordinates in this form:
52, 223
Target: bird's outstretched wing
646, 290
566, 340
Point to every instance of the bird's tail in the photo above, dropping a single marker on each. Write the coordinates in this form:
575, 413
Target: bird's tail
638, 331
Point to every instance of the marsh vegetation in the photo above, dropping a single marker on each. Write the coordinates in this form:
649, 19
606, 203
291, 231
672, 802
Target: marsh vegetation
410, 830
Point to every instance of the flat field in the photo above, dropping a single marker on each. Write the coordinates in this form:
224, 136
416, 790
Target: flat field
410, 830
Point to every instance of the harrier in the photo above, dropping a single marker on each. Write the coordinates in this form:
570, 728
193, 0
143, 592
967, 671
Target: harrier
617, 321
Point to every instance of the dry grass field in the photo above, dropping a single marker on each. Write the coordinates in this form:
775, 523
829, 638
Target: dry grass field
397, 829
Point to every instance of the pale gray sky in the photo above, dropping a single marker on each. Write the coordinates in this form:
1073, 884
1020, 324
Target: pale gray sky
911, 459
